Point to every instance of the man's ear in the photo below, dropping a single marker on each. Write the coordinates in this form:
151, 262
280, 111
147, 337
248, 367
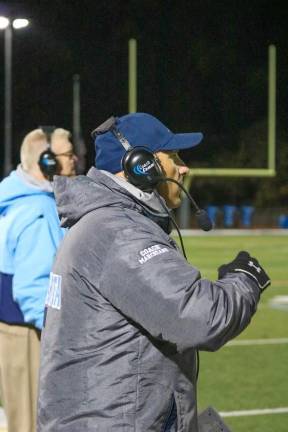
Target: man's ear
157, 159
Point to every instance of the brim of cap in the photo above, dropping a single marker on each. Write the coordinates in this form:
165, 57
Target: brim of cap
183, 141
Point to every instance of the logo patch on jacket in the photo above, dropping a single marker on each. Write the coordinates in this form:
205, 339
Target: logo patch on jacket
150, 252
53, 298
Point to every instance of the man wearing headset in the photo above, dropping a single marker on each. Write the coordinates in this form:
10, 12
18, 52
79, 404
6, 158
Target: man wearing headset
125, 312
29, 236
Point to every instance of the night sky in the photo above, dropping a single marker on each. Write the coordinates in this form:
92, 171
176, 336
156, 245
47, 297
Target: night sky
202, 65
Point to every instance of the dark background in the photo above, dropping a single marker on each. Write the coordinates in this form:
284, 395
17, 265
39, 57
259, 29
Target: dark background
202, 65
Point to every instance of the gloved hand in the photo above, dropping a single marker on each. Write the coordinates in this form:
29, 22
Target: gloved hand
246, 264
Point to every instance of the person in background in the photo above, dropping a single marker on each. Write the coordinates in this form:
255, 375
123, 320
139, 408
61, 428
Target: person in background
126, 312
30, 234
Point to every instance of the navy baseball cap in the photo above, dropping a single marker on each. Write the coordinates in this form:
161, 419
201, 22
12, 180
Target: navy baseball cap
140, 129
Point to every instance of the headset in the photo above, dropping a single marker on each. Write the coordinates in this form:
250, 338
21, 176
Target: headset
47, 162
143, 170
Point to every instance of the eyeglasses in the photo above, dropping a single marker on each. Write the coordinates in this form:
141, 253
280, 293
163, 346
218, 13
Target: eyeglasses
69, 154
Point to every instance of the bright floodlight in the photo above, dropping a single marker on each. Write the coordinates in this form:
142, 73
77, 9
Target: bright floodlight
4, 22
20, 23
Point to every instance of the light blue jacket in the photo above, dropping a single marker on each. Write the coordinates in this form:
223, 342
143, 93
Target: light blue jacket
29, 237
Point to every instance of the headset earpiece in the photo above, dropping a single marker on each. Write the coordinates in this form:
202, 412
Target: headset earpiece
48, 163
141, 168
47, 160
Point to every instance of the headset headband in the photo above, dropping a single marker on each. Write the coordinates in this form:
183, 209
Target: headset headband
48, 131
109, 126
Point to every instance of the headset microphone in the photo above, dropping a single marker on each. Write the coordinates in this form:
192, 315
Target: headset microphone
203, 220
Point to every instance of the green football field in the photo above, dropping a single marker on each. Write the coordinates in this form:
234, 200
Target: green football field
248, 377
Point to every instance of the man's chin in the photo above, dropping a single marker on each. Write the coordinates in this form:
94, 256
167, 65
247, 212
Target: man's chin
174, 204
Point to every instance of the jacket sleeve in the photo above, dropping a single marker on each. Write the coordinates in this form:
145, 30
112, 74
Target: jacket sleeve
33, 259
149, 281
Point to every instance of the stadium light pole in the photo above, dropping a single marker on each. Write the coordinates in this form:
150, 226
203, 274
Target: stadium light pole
8, 25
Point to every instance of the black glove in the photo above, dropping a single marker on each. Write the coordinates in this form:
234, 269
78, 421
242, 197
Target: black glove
246, 264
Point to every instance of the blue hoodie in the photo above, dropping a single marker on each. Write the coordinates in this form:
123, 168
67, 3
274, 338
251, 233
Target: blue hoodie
29, 237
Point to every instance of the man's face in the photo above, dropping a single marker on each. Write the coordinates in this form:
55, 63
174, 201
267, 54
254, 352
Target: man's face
173, 167
66, 158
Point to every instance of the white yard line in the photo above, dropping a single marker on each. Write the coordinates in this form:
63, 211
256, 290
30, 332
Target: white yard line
251, 342
254, 412
233, 232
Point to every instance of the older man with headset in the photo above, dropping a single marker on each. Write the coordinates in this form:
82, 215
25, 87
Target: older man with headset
126, 313
29, 236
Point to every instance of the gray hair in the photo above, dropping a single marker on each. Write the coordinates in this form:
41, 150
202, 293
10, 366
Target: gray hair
34, 143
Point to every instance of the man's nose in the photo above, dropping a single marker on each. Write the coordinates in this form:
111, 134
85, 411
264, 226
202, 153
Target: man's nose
183, 170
